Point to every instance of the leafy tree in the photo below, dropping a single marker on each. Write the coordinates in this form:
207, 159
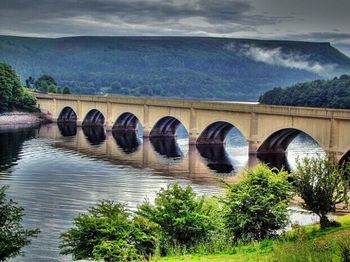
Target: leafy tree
256, 207
108, 232
44, 82
181, 215
52, 89
322, 184
10, 87
333, 93
11, 91
65, 90
27, 101
30, 82
13, 237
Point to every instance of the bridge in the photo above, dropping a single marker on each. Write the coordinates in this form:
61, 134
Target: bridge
268, 129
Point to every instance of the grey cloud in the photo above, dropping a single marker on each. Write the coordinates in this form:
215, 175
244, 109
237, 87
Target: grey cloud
322, 36
49, 16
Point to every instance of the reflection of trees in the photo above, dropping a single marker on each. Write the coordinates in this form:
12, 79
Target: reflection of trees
216, 157
11, 144
127, 140
166, 146
67, 129
95, 134
275, 160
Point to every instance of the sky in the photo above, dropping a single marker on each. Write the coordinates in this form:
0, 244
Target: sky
307, 20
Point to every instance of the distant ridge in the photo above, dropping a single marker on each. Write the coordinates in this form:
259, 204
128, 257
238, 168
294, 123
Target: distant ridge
184, 67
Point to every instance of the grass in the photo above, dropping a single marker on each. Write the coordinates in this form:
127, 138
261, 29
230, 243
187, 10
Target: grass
309, 243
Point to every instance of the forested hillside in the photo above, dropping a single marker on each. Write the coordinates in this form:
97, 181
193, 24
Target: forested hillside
206, 68
333, 93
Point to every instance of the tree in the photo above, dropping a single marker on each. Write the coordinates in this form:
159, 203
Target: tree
322, 184
11, 91
108, 232
256, 207
181, 216
52, 89
30, 82
10, 87
44, 82
65, 90
13, 237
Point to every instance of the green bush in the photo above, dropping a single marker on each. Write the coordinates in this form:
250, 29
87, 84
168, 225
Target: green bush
322, 184
65, 90
108, 232
44, 83
12, 94
344, 246
256, 207
182, 216
13, 237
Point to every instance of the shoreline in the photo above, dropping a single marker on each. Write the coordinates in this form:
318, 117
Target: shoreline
15, 119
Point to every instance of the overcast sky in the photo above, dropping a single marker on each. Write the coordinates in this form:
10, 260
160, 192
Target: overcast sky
311, 20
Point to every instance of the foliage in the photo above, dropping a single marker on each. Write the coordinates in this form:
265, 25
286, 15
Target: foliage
45, 83
65, 90
333, 93
256, 207
314, 244
108, 232
183, 218
212, 68
11, 92
322, 184
13, 237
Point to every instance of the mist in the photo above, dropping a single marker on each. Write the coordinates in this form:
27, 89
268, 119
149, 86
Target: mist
275, 56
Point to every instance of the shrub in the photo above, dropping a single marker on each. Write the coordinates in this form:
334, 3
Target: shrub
182, 217
322, 184
344, 246
65, 90
13, 237
256, 207
12, 94
108, 232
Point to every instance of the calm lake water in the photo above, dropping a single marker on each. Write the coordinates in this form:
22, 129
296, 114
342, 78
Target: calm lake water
55, 172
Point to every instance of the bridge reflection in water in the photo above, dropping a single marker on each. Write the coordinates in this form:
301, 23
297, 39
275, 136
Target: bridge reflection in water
166, 155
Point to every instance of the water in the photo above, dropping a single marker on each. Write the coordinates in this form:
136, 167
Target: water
54, 173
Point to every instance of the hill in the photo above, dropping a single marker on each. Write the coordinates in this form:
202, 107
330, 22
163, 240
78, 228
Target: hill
333, 93
191, 67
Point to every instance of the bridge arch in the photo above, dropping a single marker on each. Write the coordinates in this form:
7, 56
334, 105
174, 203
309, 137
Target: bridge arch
166, 127
278, 141
94, 117
67, 115
127, 121
216, 132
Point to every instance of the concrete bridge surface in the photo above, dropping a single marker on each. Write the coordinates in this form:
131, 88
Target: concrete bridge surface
268, 129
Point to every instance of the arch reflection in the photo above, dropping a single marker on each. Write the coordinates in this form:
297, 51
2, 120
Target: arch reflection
67, 129
216, 157
94, 134
166, 146
127, 140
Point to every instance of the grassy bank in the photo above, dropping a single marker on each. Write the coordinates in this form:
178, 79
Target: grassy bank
308, 243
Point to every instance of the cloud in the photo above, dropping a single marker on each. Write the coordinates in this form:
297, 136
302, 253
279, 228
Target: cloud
129, 17
275, 56
335, 36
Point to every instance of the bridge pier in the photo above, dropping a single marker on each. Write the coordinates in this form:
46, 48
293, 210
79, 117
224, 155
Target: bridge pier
253, 148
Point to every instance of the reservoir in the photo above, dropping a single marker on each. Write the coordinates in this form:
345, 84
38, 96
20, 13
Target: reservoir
55, 172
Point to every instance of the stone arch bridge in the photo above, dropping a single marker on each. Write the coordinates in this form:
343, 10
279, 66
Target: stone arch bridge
268, 129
